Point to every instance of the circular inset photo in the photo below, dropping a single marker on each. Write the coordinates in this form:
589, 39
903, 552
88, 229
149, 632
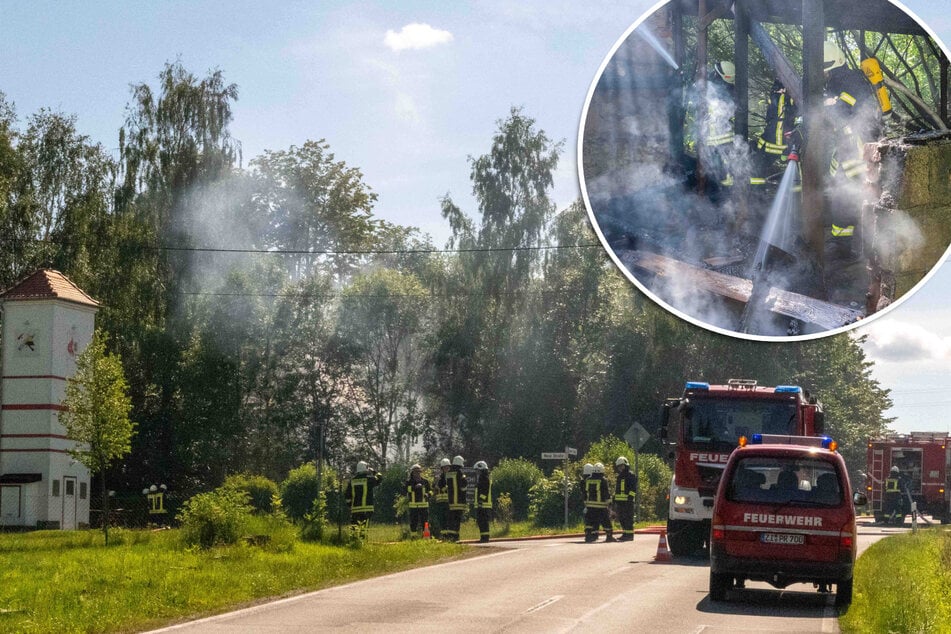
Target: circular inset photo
772, 170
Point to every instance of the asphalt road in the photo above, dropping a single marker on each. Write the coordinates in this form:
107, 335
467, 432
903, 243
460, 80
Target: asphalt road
554, 585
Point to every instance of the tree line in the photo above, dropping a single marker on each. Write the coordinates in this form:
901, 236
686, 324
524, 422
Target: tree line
264, 313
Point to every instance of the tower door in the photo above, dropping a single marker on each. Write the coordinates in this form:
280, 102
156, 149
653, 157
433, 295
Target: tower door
69, 503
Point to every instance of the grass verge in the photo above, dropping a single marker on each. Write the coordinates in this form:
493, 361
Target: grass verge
902, 584
58, 581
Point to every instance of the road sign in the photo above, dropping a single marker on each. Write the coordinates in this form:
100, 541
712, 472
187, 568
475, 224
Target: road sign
636, 436
554, 455
571, 451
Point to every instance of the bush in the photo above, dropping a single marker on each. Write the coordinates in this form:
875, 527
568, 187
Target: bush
503, 510
516, 476
218, 517
314, 522
261, 491
385, 494
299, 491
547, 501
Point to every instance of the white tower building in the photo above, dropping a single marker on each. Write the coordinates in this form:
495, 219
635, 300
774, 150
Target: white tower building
47, 322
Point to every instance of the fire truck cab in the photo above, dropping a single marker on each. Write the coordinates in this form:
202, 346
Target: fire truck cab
784, 513
700, 430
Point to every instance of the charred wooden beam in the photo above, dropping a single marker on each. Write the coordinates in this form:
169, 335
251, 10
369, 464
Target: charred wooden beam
784, 70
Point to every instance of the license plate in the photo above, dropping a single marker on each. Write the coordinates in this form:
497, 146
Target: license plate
783, 538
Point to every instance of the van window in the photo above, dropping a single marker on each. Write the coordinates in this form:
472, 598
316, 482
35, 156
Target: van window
793, 481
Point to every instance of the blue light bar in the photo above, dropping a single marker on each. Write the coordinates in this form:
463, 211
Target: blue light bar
793, 389
757, 439
826, 441
697, 385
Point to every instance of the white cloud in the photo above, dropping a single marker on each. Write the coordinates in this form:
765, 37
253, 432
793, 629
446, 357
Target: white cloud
416, 36
891, 340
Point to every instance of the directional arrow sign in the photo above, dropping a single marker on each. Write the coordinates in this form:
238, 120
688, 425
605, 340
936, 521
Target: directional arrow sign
636, 436
554, 455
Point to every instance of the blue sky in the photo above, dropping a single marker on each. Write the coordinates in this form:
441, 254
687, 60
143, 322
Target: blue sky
406, 106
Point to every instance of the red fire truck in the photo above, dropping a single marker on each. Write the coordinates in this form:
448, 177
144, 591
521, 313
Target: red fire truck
923, 460
700, 430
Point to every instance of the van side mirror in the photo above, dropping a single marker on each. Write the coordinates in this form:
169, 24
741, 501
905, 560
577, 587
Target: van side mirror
859, 499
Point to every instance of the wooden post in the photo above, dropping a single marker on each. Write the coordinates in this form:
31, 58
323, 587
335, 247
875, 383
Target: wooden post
675, 98
814, 163
741, 123
701, 85
943, 108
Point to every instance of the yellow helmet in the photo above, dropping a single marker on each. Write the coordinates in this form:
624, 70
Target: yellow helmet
832, 56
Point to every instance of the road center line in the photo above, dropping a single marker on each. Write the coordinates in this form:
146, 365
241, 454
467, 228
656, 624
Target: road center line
544, 604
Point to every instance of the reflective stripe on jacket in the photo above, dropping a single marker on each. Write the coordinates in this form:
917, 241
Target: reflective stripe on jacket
418, 493
625, 488
360, 492
596, 493
484, 492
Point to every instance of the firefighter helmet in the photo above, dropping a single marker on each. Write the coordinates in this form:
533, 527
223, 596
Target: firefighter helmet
444, 462
415, 467
895, 470
587, 469
361, 467
481, 466
621, 461
598, 468
832, 56
726, 71
459, 461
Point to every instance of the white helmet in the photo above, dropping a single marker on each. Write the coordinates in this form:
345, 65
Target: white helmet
895, 469
361, 467
598, 468
481, 465
444, 462
726, 71
415, 467
832, 56
459, 461
587, 469
621, 461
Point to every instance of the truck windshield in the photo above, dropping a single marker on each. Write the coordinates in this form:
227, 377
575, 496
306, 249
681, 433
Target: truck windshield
724, 421
786, 481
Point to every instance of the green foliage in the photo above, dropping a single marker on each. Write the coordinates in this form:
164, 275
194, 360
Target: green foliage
218, 517
385, 494
261, 491
547, 500
902, 584
503, 510
314, 522
299, 490
516, 477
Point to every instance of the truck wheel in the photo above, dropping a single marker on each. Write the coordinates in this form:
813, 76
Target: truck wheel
683, 538
719, 584
843, 592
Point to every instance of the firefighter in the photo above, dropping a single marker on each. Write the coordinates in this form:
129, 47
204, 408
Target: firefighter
418, 492
359, 495
717, 126
854, 109
483, 500
771, 144
596, 496
586, 472
625, 489
454, 481
442, 501
897, 496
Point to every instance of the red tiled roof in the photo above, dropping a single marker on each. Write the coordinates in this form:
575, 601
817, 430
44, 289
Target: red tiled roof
47, 284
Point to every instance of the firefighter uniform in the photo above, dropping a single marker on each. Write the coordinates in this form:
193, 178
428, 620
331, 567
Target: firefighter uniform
483, 500
771, 144
856, 117
441, 514
359, 496
596, 496
455, 483
625, 491
418, 491
717, 147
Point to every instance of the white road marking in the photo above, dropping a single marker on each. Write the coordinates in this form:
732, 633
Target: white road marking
544, 604
830, 620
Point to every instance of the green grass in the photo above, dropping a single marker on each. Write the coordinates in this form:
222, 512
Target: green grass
70, 582
903, 584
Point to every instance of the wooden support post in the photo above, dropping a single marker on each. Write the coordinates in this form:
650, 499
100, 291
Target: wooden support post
815, 162
777, 61
701, 84
675, 99
943, 107
741, 121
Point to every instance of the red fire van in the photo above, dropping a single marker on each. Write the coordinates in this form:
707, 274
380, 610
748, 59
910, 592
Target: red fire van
784, 513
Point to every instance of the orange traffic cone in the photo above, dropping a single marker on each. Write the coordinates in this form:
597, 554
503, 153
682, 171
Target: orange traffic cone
663, 553
426, 534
